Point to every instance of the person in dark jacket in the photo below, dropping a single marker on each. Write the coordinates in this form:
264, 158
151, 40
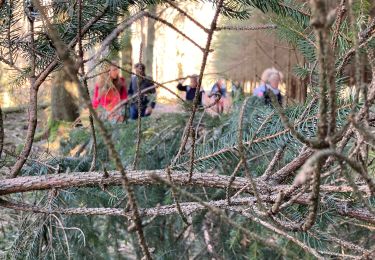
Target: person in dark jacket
191, 89
148, 96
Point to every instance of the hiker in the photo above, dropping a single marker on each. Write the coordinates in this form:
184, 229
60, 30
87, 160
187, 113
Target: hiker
271, 79
219, 88
108, 92
191, 89
148, 92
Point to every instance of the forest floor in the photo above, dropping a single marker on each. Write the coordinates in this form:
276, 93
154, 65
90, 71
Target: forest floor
16, 123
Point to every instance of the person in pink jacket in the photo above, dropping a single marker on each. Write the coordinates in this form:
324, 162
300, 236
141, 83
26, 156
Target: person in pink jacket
109, 92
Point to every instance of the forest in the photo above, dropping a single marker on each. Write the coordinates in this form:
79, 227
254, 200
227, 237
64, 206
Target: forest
113, 145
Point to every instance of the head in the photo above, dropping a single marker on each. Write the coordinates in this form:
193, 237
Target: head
111, 76
113, 71
140, 69
194, 81
266, 74
221, 82
274, 80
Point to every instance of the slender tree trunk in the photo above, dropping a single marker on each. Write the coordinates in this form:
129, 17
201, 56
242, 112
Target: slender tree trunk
126, 52
149, 50
62, 102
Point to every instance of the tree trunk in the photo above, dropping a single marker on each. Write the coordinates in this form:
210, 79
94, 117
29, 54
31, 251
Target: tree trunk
126, 51
62, 100
149, 50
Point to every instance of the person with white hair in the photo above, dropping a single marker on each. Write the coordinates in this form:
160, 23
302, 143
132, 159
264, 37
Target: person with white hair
270, 81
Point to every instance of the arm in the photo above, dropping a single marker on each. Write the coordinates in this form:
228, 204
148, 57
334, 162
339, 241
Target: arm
181, 87
131, 90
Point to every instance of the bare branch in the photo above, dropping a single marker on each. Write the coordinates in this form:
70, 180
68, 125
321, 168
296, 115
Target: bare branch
156, 18
82, 66
206, 51
175, 6
341, 10
276, 158
33, 107
247, 27
116, 32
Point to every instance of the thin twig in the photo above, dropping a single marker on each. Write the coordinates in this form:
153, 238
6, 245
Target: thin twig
276, 158
82, 66
33, 109
341, 10
223, 216
156, 18
175, 6
1, 132
246, 27
189, 124
139, 110
241, 151
174, 196
232, 178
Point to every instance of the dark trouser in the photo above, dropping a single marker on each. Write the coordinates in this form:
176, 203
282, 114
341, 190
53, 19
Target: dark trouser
134, 111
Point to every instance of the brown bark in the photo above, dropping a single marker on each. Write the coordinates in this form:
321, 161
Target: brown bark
62, 102
185, 207
30, 131
149, 51
33, 103
288, 170
1, 132
84, 179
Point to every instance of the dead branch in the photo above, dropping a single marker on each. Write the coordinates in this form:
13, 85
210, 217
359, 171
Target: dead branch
82, 66
246, 28
175, 6
33, 109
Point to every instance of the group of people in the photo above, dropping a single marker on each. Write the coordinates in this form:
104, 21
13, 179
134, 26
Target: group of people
270, 80
218, 90
111, 92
